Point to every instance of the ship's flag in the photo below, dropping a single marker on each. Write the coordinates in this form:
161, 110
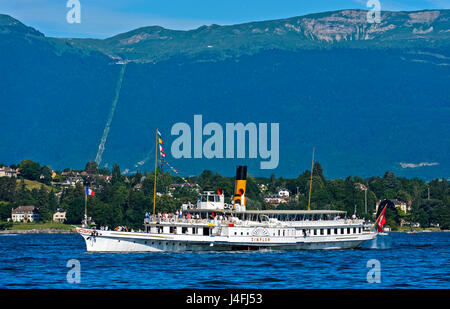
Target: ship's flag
159, 137
161, 151
90, 192
381, 221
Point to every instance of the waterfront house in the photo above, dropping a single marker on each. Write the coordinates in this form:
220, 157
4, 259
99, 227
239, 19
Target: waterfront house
282, 193
25, 214
6, 171
274, 199
398, 204
402, 205
59, 215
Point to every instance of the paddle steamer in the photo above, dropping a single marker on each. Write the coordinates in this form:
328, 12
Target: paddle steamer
213, 225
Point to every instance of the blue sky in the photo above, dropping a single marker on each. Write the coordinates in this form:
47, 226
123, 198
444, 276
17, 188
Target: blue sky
105, 18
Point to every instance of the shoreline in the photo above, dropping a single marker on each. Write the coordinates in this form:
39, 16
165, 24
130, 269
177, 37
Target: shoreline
39, 231
421, 231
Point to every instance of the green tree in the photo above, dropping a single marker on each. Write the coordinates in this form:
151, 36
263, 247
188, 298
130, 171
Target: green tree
8, 188
91, 167
30, 170
116, 175
72, 201
53, 202
402, 195
42, 203
5, 210
23, 196
45, 175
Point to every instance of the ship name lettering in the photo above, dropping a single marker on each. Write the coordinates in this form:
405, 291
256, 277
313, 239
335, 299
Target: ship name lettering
260, 239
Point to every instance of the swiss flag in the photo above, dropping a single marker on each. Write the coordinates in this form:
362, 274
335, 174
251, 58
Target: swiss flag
381, 221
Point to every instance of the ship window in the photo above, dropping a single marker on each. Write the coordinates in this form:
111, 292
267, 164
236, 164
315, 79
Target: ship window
328, 231
210, 198
315, 232
183, 230
321, 231
204, 198
206, 231
335, 231
354, 230
348, 230
359, 231
342, 231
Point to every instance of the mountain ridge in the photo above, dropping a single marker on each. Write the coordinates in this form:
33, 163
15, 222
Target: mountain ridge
367, 107
342, 28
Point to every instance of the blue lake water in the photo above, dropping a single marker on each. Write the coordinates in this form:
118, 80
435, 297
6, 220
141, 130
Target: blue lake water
419, 260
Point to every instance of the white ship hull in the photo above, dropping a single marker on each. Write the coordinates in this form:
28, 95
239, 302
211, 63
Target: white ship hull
115, 241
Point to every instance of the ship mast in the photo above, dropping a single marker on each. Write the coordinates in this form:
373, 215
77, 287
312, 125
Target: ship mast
156, 158
310, 182
85, 207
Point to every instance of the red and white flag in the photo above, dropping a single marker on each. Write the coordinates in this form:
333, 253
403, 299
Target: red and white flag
381, 221
161, 151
